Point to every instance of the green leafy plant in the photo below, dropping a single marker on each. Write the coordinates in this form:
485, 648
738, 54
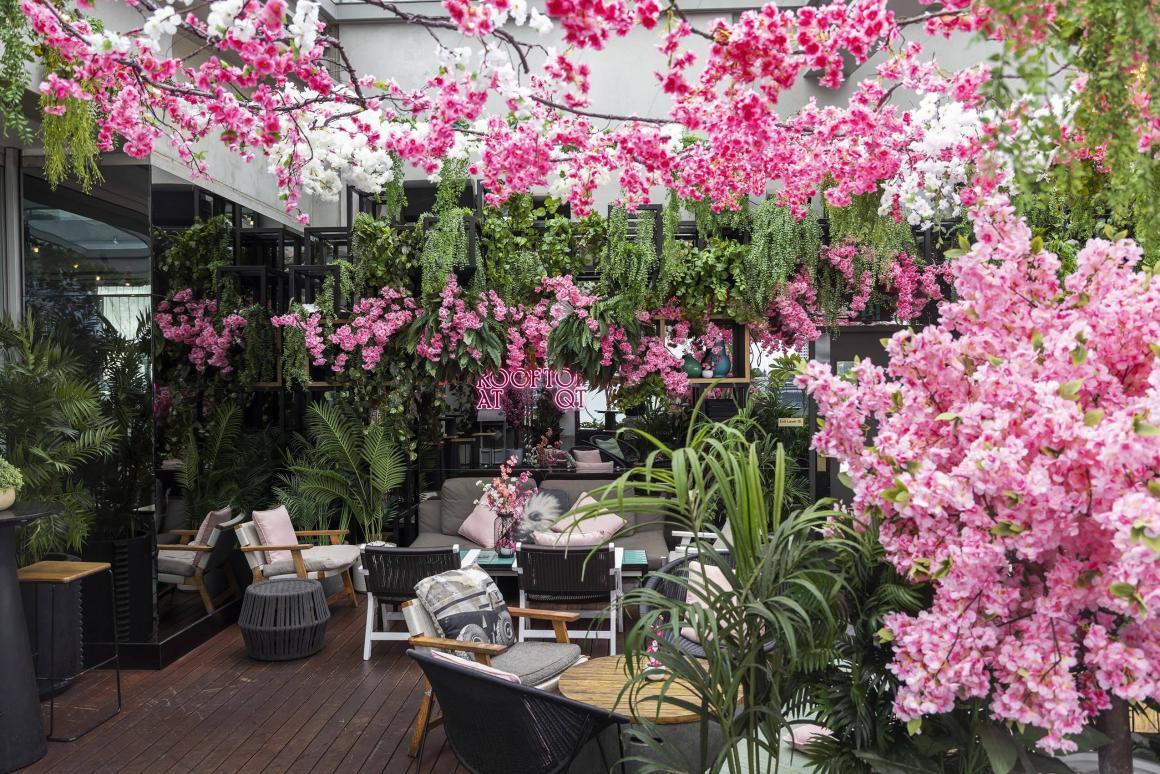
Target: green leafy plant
295, 356
780, 244
860, 223
630, 265
351, 466
68, 130
51, 424
445, 244
259, 358
222, 465
10, 477
520, 243
15, 52
381, 254
191, 258
122, 480
771, 630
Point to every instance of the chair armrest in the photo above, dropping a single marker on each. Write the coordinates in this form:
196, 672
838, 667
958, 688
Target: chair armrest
182, 547
558, 620
335, 535
297, 547
681, 533
543, 615
185, 535
483, 651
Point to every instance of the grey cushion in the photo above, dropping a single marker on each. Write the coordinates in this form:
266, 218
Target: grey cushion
537, 662
457, 499
543, 509
176, 562
430, 515
325, 558
439, 540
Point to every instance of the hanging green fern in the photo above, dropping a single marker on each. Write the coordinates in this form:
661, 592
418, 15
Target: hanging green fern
70, 136
191, 258
15, 52
780, 244
629, 266
259, 361
859, 221
712, 224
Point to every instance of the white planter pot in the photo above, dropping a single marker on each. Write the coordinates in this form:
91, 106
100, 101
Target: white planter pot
7, 497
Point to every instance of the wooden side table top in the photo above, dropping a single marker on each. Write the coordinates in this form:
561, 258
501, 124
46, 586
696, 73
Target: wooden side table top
59, 572
599, 682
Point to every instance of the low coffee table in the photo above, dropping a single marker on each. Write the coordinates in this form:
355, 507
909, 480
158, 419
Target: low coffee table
284, 619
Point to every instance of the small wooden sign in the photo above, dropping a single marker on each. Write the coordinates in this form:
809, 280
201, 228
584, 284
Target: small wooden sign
791, 421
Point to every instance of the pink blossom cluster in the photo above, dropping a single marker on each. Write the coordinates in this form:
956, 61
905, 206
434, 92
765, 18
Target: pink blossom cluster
1014, 468
311, 326
266, 87
194, 322
376, 322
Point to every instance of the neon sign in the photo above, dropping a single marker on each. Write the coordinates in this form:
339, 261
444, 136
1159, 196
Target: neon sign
568, 395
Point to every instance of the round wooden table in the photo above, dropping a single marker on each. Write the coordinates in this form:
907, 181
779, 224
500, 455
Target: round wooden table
600, 682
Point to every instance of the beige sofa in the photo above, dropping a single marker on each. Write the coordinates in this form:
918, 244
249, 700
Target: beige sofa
440, 517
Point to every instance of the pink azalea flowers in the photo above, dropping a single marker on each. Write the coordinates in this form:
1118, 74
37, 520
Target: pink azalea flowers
189, 321
1014, 467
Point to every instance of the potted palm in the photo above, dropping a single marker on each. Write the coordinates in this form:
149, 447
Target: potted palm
10, 483
351, 467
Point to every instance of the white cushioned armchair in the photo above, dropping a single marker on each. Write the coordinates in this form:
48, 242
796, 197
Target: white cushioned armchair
306, 560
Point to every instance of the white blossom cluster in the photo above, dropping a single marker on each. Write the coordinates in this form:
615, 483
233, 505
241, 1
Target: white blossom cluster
332, 155
304, 25
926, 186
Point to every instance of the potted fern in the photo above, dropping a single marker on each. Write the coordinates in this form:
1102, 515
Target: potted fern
10, 483
351, 467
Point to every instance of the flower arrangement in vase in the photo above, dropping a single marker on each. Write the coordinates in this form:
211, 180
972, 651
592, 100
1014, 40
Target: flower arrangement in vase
548, 453
10, 482
506, 496
654, 669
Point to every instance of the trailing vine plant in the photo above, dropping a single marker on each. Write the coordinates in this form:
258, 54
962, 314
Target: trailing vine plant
445, 246
192, 257
780, 243
629, 266
259, 359
69, 134
15, 52
860, 222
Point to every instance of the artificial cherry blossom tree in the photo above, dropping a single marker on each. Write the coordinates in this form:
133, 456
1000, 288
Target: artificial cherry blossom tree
1012, 456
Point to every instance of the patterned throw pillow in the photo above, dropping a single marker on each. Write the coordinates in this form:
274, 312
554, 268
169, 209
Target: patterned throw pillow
466, 605
541, 511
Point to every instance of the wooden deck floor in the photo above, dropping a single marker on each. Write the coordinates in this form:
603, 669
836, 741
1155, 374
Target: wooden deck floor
215, 710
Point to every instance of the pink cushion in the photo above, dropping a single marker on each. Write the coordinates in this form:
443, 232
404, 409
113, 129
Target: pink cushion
706, 582
570, 539
212, 520
594, 521
275, 529
593, 467
473, 664
689, 633
479, 526
586, 455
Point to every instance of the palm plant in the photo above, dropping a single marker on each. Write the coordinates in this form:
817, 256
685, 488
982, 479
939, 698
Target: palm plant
51, 424
773, 627
222, 465
350, 465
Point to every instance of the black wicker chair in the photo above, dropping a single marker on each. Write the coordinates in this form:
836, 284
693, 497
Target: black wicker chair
626, 458
498, 727
571, 576
391, 574
670, 589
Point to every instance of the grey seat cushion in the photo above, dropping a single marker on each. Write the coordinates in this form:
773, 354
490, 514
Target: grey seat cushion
176, 562
537, 662
457, 500
325, 558
439, 540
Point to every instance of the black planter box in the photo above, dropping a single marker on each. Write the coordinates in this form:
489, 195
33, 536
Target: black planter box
134, 583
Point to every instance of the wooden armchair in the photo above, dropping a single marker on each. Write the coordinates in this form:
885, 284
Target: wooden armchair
550, 658
188, 564
306, 560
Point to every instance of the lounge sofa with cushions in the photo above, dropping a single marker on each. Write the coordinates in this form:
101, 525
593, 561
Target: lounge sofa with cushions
441, 517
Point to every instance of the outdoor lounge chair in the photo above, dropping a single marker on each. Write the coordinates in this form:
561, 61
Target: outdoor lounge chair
675, 591
307, 561
188, 563
537, 664
391, 574
498, 726
571, 576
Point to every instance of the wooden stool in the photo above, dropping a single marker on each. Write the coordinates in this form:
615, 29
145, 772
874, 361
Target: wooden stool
56, 574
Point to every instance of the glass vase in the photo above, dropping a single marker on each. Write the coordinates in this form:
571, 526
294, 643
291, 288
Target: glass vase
505, 542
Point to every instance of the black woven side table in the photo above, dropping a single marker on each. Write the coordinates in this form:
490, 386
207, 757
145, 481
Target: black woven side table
284, 619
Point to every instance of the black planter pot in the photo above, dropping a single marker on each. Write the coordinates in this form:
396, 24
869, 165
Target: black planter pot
53, 614
720, 409
135, 616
